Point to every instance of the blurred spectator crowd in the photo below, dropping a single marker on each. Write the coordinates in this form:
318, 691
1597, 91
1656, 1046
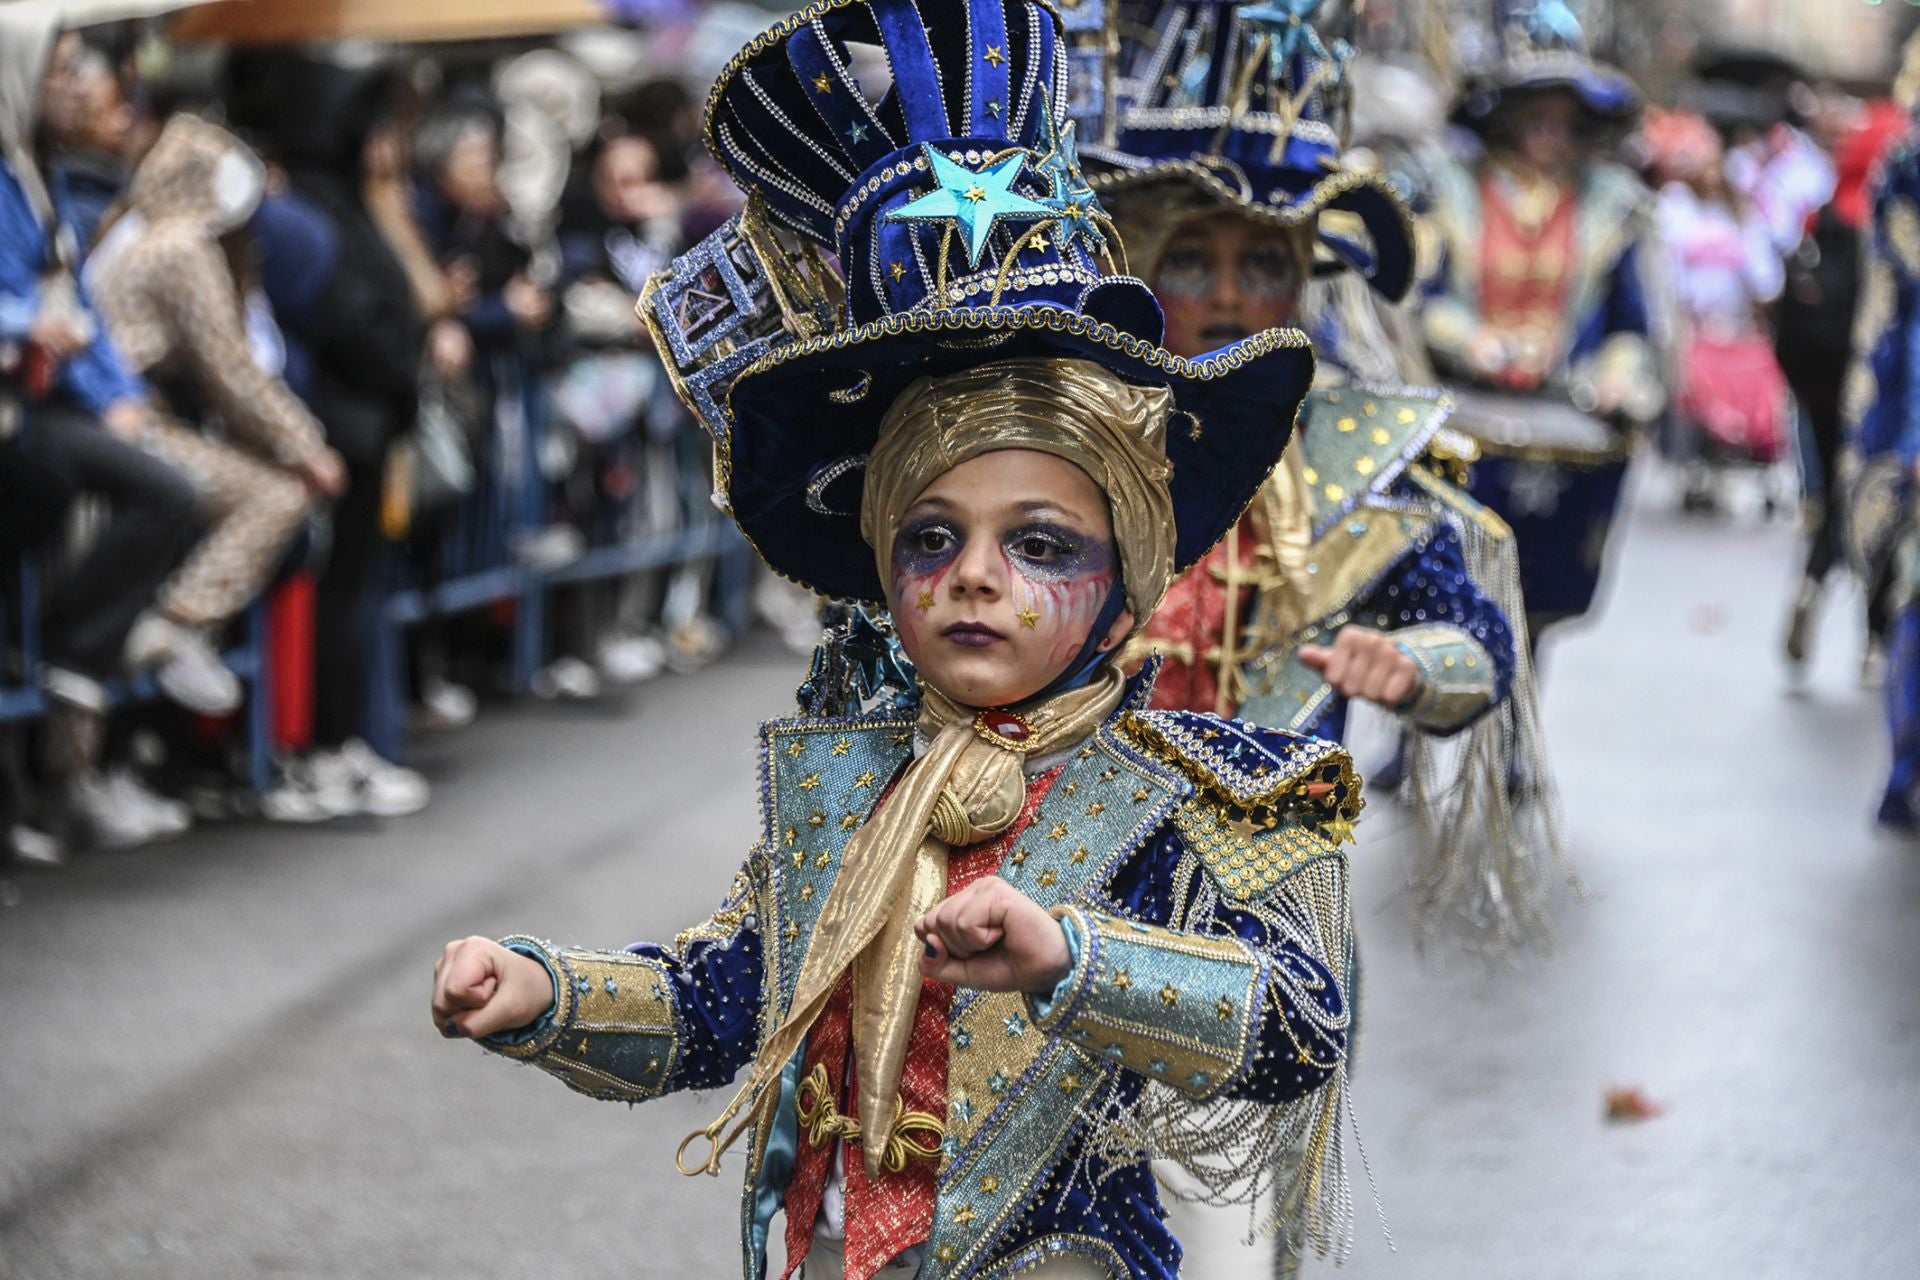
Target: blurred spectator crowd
324, 412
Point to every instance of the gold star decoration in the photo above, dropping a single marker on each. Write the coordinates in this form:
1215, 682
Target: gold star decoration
823, 859
799, 858
1070, 1082
849, 821
964, 1214
582, 1047
806, 893
823, 83
1071, 789
993, 55
865, 779
945, 1253
1019, 858
809, 782
793, 836
1081, 854
1140, 795
925, 602
1123, 980
975, 193
1169, 995
1058, 831
1225, 1008
989, 1184
843, 746
793, 931
1029, 618
1339, 830
898, 271
794, 749
1095, 809
816, 819
1303, 1057
1047, 878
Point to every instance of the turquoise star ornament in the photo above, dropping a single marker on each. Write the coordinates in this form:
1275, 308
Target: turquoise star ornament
1288, 25
973, 201
1550, 23
1073, 202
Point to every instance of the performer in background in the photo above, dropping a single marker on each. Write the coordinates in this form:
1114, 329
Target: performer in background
1363, 571
1883, 410
998, 946
1542, 310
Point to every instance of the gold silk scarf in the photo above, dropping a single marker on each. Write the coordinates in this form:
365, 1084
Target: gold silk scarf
966, 787
1073, 409
970, 783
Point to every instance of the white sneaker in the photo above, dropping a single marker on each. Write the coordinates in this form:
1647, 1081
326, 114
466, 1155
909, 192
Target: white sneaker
194, 677
567, 678
625, 660
387, 790
150, 642
112, 819
36, 847
446, 705
295, 798
164, 818
331, 781
64, 684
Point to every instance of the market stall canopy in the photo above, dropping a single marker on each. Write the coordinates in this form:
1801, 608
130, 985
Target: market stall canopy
291, 21
88, 13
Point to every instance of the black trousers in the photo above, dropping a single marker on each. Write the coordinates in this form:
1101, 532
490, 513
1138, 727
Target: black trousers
341, 604
153, 519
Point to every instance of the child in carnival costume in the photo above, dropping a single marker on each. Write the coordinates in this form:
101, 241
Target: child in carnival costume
1361, 571
1002, 944
1883, 411
1543, 306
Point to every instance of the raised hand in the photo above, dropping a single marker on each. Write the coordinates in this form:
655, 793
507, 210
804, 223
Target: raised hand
992, 937
481, 988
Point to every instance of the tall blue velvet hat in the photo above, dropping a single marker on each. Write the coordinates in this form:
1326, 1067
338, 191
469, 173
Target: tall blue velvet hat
964, 233
1540, 45
1245, 104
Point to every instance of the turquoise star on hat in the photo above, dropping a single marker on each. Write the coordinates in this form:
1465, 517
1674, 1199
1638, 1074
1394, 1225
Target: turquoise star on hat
973, 200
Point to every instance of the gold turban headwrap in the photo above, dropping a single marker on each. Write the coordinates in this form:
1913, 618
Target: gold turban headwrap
1073, 409
966, 786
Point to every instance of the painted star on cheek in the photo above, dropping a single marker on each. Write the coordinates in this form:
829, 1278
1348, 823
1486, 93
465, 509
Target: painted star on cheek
925, 602
1029, 618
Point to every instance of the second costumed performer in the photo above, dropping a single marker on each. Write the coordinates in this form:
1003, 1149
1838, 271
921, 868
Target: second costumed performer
1361, 572
995, 951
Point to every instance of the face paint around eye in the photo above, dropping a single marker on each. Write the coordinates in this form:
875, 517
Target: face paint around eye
1185, 272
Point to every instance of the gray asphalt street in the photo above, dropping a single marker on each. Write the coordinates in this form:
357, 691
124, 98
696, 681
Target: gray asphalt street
216, 1060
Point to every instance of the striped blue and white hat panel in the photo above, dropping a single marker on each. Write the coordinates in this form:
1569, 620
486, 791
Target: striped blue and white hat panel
793, 121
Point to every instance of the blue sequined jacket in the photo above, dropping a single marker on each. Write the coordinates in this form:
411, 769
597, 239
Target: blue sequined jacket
1199, 862
1387, 553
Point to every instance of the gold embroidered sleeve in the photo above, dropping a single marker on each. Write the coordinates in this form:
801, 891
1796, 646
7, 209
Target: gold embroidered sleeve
612, 1033
1457, 677
1180, 1008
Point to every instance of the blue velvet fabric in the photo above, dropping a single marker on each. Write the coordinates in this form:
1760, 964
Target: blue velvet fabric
1888, 426
1428, 585
1561, 517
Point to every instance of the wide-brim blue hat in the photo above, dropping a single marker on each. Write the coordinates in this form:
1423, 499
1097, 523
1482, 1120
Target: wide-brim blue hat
1243, 105
1542, 48
965, 232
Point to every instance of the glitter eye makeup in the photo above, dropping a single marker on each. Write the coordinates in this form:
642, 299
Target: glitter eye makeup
1268, 271
1186, 271
924, 547
1050, 552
